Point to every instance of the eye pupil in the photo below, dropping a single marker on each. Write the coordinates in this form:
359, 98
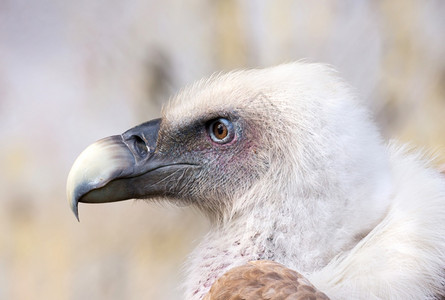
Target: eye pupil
220, 130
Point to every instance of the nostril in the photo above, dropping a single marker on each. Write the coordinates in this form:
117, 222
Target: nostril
139, 146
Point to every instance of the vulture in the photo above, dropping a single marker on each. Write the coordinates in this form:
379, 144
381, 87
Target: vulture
295, 178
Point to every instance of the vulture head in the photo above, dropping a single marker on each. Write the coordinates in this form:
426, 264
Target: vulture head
284, 161
234, 142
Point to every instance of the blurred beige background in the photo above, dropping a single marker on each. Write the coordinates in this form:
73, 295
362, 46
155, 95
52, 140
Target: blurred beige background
72, 72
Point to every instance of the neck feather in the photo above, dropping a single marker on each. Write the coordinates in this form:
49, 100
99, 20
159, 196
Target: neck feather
279, 228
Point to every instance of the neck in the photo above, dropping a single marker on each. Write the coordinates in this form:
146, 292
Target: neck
286, 231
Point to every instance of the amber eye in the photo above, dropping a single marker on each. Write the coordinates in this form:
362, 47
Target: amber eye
221, 131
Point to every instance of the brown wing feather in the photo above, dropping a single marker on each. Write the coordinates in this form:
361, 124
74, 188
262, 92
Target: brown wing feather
263, 280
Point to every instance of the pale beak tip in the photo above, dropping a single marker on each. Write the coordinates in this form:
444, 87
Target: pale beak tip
75, 209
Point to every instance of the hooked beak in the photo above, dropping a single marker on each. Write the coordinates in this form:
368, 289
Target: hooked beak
123, 167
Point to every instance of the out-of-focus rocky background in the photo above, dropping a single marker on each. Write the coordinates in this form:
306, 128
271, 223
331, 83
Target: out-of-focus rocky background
72, 72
